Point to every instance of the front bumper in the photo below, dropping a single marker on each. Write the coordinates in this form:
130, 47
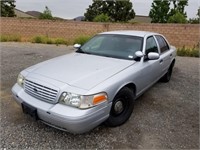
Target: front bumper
64, 117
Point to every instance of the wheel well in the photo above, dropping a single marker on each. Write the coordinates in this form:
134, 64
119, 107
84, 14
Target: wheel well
172, 64
132, 87
173, 61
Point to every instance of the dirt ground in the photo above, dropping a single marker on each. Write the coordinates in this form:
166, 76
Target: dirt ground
165, 117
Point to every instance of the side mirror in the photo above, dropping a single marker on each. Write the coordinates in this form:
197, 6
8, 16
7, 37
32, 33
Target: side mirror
77, 46
139, 54
153, 56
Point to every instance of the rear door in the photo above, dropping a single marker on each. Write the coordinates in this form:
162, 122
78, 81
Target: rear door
165, 53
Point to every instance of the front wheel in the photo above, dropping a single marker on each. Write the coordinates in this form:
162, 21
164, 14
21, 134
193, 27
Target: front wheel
122, 108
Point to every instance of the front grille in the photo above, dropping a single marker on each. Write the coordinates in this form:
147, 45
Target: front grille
40, 92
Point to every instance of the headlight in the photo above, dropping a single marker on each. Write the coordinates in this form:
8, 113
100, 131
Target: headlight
81, 101
20, 80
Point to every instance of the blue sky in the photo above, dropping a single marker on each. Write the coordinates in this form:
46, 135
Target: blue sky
69, 9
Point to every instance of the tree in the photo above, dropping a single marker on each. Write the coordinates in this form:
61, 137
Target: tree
177, 18
179, 5
94, 10
198, 13
46, 14
194, 20
159, 12
177, 13
122, 11
197, 19
102, 18
7, 8
115, 9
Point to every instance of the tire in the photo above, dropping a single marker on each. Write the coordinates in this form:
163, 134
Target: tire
167, 76
122, 108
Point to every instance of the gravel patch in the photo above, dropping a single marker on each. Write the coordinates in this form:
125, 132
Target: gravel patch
165, 117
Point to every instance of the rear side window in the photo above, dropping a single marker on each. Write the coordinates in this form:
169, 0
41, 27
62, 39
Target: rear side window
162, 43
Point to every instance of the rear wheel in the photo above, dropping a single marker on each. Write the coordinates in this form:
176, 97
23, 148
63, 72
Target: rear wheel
122, 107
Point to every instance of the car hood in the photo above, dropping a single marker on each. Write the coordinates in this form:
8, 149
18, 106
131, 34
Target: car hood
80, 70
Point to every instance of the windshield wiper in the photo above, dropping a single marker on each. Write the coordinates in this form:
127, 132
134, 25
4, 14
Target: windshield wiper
81, 51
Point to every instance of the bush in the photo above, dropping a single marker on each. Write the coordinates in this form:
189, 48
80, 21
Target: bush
39, 39
49, 41
190, 52
15, 38
81, 40
177, 18
10, 38
102, 18
4, 38
46, 14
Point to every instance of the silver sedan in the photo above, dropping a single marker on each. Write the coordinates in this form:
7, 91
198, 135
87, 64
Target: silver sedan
97, 83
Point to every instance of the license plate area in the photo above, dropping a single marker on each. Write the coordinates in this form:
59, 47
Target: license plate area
30, 110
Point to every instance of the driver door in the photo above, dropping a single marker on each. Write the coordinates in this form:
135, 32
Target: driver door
151, 69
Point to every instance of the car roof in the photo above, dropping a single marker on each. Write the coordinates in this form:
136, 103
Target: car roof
131, 33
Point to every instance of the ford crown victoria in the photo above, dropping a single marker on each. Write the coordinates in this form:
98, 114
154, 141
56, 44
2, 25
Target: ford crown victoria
96, 84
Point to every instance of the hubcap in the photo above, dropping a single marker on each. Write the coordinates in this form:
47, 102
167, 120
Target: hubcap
118, 107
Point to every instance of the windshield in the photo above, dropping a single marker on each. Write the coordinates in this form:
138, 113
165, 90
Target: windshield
116, 46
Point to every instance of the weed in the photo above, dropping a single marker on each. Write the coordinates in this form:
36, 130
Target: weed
47, 40
38, 39
10, 38
81, 39
60, 41
190, 52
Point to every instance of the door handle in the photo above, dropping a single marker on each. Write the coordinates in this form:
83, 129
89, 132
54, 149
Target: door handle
161, 60
170, 55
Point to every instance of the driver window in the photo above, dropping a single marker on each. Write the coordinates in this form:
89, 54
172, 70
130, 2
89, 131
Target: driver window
151, 45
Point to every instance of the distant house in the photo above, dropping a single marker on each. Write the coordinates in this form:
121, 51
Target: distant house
143, 19
22, 14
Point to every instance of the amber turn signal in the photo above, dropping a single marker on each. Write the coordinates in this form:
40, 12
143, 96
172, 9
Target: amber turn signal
99, 98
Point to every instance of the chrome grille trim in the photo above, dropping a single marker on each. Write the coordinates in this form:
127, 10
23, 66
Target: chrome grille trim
43, 92
40, 92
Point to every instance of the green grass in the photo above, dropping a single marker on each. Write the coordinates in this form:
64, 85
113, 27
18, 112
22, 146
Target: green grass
10, 38
47, 40
189, 52
60, 41
81, 40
